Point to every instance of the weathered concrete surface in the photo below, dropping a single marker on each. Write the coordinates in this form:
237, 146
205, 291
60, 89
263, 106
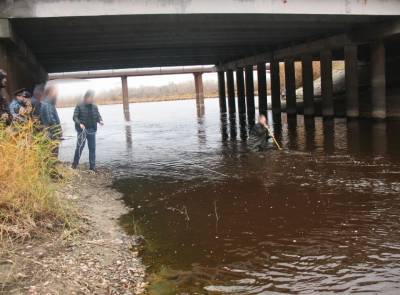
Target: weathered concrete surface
17, 60
135, 41
60, 8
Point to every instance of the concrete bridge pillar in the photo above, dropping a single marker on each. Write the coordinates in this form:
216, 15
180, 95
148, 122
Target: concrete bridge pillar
290, 84
221, 91
308, 85
250, 95
241, 92
231, 92
125, 98
18, 61
275, 87
351, 80
378, 80
326, 83
198, 83
262, 88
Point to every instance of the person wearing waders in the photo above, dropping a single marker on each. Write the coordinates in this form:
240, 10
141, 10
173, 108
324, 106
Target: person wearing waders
258, 137
86, 118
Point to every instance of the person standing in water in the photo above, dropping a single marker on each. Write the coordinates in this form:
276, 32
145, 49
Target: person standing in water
259, 136
86, 117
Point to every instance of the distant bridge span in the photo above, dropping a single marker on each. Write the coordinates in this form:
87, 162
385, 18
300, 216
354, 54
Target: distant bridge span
133, 72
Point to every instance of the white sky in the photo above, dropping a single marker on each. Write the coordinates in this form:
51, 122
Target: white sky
72, 86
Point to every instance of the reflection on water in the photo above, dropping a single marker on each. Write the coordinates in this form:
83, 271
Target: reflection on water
320, 216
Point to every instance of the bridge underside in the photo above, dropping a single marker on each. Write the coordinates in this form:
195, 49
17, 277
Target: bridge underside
42, 36
107, 42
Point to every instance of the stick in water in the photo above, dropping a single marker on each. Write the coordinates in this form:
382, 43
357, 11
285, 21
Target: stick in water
273, 138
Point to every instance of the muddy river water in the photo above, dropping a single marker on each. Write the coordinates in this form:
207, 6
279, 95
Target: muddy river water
321, 216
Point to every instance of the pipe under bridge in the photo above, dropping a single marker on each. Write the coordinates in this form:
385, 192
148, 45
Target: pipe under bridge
40, 36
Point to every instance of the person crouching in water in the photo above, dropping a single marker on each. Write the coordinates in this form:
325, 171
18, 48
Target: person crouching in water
259, 136
86, 118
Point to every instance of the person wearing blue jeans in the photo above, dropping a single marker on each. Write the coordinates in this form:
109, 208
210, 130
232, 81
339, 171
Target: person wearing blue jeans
86, 117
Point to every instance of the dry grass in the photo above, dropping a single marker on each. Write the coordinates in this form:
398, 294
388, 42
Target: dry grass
29, 205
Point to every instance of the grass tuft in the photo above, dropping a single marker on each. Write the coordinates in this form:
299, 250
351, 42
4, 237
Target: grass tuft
29, 205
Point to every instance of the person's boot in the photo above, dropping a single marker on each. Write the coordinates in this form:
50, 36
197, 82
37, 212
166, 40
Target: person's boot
74, 166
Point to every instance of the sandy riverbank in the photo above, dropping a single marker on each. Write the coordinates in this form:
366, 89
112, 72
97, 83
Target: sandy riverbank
98, 258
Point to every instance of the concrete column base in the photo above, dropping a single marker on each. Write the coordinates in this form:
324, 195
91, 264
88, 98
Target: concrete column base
222, 92
275, 87
262, 88
230, 83
125, 98
241, 92
327, 84
290, 84
378, 81
308, 85
351, 77
250, 95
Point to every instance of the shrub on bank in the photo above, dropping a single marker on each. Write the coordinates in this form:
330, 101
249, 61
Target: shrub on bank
28, 201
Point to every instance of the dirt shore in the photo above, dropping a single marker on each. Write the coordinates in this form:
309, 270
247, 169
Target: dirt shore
99, 258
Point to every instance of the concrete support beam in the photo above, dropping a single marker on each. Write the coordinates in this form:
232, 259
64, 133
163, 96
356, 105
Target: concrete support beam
290, 84
359, 36
125, 98
262, 88
241, 94
230, 83
247, 61
327, 83
63, 8
250, 94
222, 92
275, 87
378, 80
308, 85
351, 73
198, 83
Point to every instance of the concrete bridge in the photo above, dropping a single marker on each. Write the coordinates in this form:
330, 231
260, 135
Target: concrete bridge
41, 36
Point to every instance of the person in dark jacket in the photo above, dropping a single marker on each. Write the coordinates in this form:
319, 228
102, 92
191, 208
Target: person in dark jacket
48, 113
259, 136
86, 118
38, 93
5, 115
20, 106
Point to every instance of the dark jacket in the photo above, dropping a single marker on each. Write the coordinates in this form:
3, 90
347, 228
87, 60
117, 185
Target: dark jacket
36, 104
258, 137
49, 119
88, 115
